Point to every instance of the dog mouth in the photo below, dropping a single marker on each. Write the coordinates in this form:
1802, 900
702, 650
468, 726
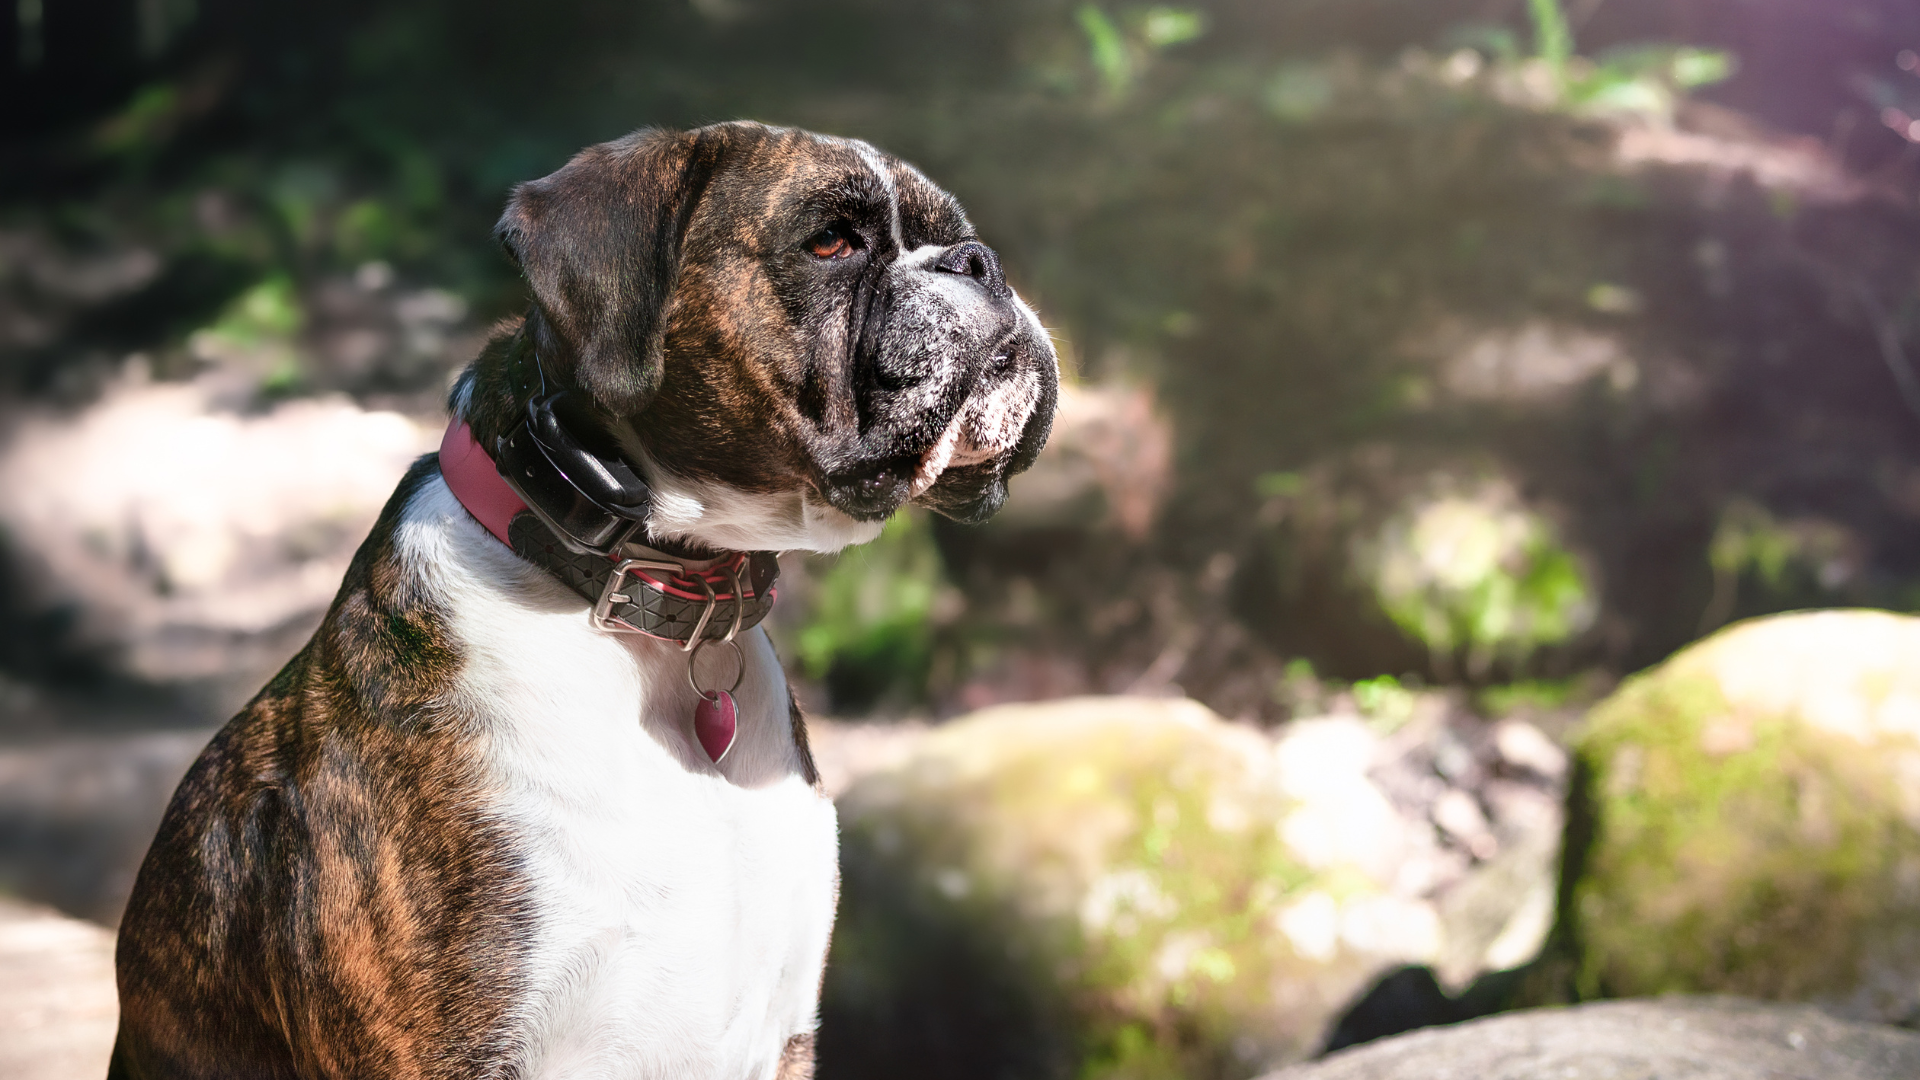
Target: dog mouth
876, 489
961, 471
987, 428
955, 448
879, 488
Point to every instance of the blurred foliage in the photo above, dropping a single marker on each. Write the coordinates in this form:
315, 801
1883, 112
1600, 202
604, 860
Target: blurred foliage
870, 634
1529, 695
270, 309
1267, 212
1552, 37
1474, 572
1786, 564
1384, 702
1646, 79
1119, 54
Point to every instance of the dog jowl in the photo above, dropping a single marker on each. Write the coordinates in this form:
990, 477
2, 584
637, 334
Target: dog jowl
535, 800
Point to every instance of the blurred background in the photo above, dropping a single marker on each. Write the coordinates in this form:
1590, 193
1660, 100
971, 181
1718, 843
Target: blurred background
1431, 366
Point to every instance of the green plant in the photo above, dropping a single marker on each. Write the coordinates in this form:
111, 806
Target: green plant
1473, 571
1748, 542
1640, 78
870, 631
1119, 54
1386, 703
1645, 79
267, 312
1107, 48
1527, 695
1552, 37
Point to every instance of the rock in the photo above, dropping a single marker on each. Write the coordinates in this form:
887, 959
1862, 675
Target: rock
843, 752
1125, 886
1755, 806
57, 1003
1694, 1038
77, 815
214, 557
1107, 464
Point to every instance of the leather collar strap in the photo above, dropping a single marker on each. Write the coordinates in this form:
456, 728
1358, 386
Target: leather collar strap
660, 597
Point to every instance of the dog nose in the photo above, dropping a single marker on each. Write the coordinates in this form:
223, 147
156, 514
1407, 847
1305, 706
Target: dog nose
976, 260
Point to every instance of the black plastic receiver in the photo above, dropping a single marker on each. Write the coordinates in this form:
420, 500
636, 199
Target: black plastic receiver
592, 502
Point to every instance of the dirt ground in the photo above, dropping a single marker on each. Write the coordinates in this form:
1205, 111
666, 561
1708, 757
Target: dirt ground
57, 1008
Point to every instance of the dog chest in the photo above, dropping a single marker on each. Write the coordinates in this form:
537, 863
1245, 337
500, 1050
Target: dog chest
680, 910
681, 926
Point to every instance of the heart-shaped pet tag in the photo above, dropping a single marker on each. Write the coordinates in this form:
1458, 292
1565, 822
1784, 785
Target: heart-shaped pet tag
714, 723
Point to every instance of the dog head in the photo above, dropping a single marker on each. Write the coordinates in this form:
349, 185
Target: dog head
791, 335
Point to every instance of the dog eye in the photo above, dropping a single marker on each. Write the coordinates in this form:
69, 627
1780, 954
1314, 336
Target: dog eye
831, 243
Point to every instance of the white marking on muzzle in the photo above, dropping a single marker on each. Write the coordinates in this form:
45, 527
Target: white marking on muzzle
986, 426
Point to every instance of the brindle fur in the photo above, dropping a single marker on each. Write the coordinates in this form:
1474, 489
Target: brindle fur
798, 720
322, 897
796, 1061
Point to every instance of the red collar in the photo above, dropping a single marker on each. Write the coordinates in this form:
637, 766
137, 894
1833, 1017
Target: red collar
473, 479
667, 599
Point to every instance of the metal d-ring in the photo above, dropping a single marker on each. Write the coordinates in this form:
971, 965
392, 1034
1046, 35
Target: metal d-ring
694, 654
739, 600
713, 601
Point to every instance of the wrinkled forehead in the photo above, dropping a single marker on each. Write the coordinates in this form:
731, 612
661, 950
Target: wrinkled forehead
786, 181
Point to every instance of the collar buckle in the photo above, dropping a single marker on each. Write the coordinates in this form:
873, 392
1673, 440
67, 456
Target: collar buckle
603, 617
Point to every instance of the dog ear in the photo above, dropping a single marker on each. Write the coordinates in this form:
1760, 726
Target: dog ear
599, 245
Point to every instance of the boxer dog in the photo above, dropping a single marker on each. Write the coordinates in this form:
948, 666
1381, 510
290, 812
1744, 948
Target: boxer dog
536, 800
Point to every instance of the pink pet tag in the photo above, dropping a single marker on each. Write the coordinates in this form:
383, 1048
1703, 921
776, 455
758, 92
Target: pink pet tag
714, 723
714, 717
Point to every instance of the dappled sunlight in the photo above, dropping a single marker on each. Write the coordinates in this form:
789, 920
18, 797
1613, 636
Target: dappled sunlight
1454, 397
1798, 168
185, 523
1536, 363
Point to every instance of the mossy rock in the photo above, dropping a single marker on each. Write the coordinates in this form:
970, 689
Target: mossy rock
1108, 888
1703, 1038
1755, 807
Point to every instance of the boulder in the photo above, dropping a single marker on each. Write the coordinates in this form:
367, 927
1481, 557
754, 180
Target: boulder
1130, 887
212, 561
1695, 1038
1754, 806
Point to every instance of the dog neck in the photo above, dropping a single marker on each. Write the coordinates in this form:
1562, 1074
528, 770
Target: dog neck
679, 595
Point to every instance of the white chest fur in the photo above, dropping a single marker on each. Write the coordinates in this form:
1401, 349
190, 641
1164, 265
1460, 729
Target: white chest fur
682, 909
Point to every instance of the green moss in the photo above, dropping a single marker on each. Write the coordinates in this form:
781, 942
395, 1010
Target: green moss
1133, 870
1733, 853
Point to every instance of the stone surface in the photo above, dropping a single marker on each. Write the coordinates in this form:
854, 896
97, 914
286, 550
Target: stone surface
77, 814
1135, 887
1755, 809
57, 1005
1664, 1039
213, 559
1321, 845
